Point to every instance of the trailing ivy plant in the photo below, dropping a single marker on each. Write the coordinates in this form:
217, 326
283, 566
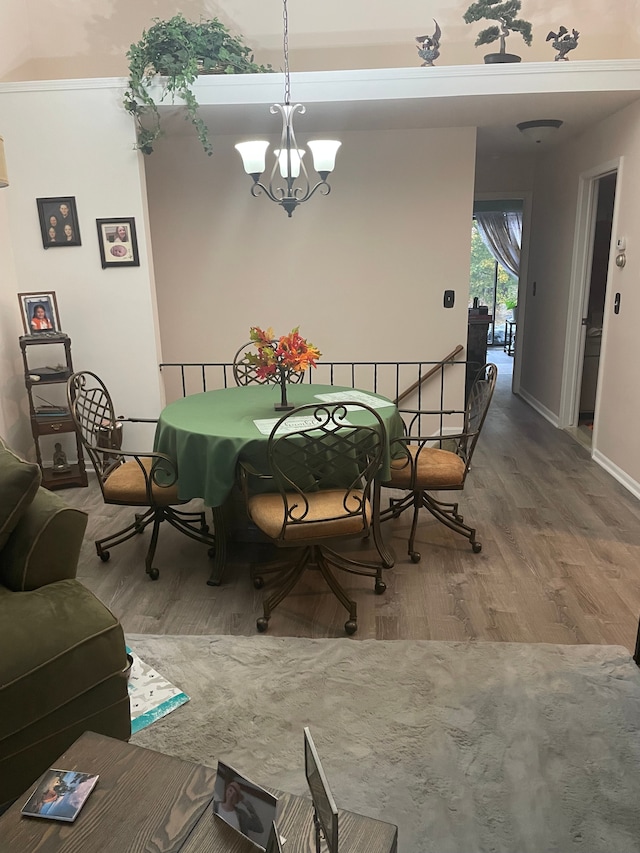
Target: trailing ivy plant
506, 14
179, 50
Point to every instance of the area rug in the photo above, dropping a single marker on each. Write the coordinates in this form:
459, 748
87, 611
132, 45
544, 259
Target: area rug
466, 747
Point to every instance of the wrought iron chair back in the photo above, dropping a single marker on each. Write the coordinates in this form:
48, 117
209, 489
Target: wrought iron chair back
475, 412
326, 453
95, 420
480, 395
245, 372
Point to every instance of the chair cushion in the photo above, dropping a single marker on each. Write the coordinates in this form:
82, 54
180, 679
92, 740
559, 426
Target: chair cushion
433, 469
126, 484
19, 482
321, 522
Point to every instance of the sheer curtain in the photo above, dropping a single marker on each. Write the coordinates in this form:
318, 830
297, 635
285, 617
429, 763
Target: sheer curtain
501, 232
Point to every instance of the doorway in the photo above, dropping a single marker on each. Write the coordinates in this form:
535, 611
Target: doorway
594, 302
496, 240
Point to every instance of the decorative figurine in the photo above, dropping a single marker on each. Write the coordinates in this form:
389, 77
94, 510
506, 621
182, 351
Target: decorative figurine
563, 42
60, 464
429, 46
505, 14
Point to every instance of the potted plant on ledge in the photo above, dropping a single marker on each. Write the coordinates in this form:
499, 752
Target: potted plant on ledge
505, 13
179, 50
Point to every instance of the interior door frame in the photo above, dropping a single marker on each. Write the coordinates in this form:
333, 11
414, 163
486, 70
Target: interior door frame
579, 292
526, 197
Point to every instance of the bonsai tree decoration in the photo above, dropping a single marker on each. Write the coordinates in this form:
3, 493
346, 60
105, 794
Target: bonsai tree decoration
179, 50
505, 13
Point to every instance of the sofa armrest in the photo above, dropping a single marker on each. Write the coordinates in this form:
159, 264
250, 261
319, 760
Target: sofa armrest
45, 545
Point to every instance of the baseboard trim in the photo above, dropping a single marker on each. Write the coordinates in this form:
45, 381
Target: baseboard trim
617, 473
547, 414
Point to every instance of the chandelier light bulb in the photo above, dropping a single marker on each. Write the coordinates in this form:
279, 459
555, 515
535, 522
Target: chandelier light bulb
324, 155
293, 155
253, 156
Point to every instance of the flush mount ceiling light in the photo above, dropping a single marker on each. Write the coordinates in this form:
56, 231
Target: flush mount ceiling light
540, 130
288, 157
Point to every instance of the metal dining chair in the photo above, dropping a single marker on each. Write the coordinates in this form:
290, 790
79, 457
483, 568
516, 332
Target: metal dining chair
320, 471
421, 464
147, 480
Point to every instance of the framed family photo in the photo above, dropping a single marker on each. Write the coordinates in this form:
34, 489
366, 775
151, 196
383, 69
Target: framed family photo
39, 312
58, 221
118, 243
245, 806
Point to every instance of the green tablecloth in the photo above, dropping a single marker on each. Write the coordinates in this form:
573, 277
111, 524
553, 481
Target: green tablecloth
207, 433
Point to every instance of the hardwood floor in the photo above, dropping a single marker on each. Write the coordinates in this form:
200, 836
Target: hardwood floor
559, 564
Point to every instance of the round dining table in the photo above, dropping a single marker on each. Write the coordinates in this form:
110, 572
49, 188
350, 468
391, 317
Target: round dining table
208, 433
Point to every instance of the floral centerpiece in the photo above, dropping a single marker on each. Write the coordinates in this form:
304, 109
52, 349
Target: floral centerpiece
281, 357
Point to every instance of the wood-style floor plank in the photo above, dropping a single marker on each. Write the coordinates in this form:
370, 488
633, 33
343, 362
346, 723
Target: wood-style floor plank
559, 564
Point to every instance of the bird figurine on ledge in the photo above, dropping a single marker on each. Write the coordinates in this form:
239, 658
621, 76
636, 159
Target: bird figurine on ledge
563, 42
429, 46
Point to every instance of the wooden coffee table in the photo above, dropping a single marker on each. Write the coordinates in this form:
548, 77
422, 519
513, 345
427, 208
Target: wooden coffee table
146, 801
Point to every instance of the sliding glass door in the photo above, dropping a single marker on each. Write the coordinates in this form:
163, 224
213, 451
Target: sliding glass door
491, 283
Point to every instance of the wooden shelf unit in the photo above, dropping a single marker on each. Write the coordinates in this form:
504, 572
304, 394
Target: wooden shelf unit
43, 423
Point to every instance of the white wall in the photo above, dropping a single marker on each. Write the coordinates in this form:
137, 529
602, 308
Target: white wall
554, 217
362, 271
76, 140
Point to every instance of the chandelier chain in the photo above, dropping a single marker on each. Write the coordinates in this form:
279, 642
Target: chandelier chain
287, 82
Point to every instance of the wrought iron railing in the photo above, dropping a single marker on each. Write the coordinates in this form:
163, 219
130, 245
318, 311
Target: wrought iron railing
437, 386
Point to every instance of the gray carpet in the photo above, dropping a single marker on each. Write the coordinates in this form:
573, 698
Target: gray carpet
466, 747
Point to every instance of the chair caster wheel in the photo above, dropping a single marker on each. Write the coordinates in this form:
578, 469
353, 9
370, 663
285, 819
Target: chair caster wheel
380, 587
204, 528
262, 624
351, 626
258, 583
415, 556
476, 547
104, 556
458, 518
154, 574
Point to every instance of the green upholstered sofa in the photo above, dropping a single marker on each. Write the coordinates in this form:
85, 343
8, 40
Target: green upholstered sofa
62, 652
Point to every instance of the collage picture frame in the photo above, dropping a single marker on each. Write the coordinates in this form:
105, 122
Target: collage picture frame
118, 242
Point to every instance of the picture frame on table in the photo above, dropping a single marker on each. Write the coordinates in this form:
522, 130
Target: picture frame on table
245, 806
58, 221
325, 812
39, 311
118, 242
60, 795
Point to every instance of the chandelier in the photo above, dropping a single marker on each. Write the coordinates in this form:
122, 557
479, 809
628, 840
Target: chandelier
288, 158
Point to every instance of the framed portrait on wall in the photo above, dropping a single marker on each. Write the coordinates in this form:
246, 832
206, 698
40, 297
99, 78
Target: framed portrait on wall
58, 222
118, 242
39, 312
